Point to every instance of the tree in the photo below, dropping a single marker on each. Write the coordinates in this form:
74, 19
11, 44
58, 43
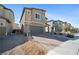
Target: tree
66, 27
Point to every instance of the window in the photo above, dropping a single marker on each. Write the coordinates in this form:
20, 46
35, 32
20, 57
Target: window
28, 12
37, 16
1, 24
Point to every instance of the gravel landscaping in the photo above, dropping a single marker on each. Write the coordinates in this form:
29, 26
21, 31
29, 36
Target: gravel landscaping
11, 41
39, 45
36, 46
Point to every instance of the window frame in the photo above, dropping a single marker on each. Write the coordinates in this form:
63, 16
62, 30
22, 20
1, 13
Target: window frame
38, 17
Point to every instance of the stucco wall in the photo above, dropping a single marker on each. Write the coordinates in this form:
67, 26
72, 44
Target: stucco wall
30, 15
28, 18
9, 18
3, 26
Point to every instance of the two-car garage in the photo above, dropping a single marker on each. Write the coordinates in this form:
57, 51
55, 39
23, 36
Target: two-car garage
35, 30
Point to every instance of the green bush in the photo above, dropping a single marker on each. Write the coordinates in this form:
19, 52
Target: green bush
60, 33
70, 35
23, 33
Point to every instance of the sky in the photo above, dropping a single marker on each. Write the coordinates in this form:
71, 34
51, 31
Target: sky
63, 12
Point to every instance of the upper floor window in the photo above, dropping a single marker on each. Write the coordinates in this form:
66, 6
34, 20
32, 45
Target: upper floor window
28, 12
37, 16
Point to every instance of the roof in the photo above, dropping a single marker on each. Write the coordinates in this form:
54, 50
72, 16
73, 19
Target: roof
35, 8
6, 8
30, 9
47, 24
50, 21
55, 21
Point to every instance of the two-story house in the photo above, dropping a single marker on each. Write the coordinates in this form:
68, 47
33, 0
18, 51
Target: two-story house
6, 20
33, 20
54, 26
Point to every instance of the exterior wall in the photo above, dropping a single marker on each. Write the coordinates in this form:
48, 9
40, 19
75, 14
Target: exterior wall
30, 15
58, 26
3, 27
22, 23
16, 26
2, 12
6, 27
28, 19
8, 16
48, 29
23, 20
55, 26
10, 27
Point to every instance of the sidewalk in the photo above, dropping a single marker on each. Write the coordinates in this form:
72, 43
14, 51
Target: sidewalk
70, 47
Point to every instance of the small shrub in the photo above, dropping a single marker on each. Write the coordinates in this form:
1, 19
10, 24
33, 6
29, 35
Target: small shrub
60, 33
70, 35
55, 33
23, 33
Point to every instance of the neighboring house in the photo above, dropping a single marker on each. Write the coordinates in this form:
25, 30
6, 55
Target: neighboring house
54, 26
33, 20
6, 20
16, 28
58, 26
50, 27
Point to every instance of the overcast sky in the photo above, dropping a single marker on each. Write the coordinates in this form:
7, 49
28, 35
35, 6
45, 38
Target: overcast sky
64, 12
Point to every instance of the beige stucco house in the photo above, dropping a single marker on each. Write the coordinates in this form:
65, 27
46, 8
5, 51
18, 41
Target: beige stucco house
54, 26
51, 25
57, 26
6, 20
33, 20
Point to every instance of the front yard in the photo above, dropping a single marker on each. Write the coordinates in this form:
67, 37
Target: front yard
39, 45
36, 46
